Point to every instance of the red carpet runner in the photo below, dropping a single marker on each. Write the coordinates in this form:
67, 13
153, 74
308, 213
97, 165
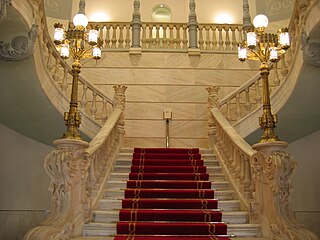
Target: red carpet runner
169, 197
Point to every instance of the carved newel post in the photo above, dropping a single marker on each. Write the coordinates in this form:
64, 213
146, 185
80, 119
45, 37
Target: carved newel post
193, 25
136, 24
213, 102
272, 172
120, 102
67, 168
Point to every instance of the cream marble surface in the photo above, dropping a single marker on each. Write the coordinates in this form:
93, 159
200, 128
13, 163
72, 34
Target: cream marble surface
166, 81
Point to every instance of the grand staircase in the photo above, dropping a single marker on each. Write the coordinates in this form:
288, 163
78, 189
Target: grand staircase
107, 215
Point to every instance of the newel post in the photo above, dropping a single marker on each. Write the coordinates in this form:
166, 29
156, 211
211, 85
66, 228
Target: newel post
136, 25
213, 102
67, 167
272, 172
120, 102
193, 25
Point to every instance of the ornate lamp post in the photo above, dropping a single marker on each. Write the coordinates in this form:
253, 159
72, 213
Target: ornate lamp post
266, 47
80, 43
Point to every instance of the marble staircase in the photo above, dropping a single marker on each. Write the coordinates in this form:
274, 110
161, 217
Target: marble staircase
106, 216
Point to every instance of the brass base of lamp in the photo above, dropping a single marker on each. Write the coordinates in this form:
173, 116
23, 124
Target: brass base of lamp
72, 120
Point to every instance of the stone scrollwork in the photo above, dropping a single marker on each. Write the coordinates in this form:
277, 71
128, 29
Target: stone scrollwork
21, 47
213, 97
311, 50
67, 167
273, 170
3, 9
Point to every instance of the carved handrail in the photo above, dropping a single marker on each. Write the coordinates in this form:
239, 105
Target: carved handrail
94, 106
261, 176
233, 151
78, 172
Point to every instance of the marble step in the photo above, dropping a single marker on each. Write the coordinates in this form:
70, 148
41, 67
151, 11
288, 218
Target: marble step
119, 194
126, 161
118, 176
116, 204
202, 150
113, 216
223, 185
109, 229
127, 169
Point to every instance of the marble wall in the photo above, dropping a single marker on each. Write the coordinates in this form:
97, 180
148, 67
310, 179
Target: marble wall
159, 81
23, 184
305, 197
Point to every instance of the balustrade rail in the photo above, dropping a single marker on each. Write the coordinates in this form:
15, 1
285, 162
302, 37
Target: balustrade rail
165, 35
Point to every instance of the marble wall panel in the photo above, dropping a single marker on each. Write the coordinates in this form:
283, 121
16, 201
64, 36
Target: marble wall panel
144, 142
155, 111
189, 94
113, 76
145, 128
161, 142
171, 60
157, 128
188, 129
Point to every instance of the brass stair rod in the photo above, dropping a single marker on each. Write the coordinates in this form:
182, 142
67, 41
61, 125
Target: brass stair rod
167, 133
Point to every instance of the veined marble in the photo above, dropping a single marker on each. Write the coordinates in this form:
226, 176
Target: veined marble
166, 81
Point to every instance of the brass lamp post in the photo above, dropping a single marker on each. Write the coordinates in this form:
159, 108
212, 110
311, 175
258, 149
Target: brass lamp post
80, 43
266, 47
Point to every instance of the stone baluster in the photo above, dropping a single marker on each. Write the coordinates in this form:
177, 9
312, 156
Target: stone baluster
193, 25
185, 39
165, 40
84, 101
214, 38
101, 30
157, 40
234, 39
227, 41
144, 37
107, 39
127, 38
258, 97
136, 24
178, 37
220, 41
247, 104
121, 38
201, 41
64, 83
171, 40
104, 115
238, 107
56, 74
114, 36
93, 108
228, 111
50, 58
208, 40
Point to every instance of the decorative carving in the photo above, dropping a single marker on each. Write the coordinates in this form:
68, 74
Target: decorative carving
3, 9
246, 18
213, 98
21, 47
119, 96
274, 7
273, 170
311, 50
67, 167
52, 5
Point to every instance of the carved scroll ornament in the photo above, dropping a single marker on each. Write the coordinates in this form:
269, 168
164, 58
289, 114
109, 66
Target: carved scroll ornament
21, 47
